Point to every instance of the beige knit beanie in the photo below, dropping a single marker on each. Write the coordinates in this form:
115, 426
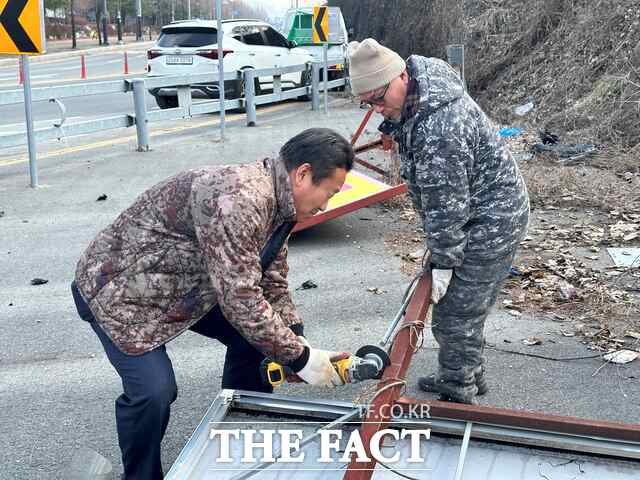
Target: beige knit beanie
372, 66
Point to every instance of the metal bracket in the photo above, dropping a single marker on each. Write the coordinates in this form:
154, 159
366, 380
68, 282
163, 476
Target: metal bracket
63, 116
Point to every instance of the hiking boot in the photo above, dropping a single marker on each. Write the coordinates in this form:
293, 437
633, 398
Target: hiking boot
428, 384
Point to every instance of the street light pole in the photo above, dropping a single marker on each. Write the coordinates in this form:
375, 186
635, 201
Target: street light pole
173, 10
189, 9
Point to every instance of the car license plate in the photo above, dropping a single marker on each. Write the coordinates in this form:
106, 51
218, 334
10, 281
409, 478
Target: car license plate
179, 59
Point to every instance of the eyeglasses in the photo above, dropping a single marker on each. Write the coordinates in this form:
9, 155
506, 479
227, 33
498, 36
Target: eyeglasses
377, 100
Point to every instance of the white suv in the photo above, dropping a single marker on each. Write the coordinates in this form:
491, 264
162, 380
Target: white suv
191, 47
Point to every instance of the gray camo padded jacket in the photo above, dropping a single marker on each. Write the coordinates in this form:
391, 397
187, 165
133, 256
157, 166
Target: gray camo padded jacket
187, 244
461, 176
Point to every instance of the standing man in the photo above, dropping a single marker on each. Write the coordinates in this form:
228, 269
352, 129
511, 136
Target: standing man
468, 190
206, 250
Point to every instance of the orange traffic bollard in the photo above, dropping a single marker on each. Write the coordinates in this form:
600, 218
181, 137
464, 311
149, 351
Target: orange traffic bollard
126, 64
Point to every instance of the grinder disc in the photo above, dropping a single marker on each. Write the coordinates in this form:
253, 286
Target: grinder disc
373, 351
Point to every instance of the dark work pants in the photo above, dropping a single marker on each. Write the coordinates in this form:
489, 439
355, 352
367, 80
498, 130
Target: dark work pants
458, 325
149, 385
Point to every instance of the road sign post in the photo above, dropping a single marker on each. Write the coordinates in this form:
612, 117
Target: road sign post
28, 115
23, 34
325, 53
321, 35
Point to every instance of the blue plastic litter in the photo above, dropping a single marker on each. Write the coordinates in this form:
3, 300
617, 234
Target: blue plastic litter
514, 272
510, 132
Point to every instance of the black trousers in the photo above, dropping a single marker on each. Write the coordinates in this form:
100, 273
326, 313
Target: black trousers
149, 388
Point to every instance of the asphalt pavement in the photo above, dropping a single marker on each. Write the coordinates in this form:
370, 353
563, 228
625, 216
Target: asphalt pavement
101, 64
57, 388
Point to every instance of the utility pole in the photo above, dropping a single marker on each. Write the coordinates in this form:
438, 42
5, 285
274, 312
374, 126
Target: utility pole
189, 9
173, 10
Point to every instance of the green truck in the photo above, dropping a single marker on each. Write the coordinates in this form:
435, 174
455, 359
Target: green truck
297, 27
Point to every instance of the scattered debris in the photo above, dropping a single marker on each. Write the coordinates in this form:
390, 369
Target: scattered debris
375, 290
626, 257
532, 341
11, 304
417, 255
514, 272
632, 334
567, 291
566, 154
1, 213
510, 132
548, 138
39, 281
309, 284
621, 356
101, 198
522, 110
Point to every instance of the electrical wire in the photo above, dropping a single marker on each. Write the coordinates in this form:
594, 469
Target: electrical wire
544, 357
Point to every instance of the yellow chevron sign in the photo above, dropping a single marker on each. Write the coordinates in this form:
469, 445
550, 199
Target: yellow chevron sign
21, 27
320, 24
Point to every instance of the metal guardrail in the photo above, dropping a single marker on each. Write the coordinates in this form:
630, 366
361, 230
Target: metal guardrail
186, 108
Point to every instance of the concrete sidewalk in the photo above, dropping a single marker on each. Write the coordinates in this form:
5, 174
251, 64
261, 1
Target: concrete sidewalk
57, 386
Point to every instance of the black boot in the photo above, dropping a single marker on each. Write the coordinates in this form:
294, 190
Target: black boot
428, 384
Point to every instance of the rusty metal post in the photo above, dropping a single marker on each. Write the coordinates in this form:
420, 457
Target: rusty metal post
390, 386
363, 124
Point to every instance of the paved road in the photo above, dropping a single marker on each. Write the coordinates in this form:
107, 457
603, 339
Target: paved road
56, 387
101, 65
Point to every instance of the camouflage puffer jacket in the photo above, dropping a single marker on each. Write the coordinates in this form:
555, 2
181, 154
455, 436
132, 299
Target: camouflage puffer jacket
187, 244
460, 174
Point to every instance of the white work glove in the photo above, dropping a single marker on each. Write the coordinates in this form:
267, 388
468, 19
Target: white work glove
292, 377
440, 279
319, 370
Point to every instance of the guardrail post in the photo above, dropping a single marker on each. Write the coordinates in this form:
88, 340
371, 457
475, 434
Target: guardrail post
277, 84
315, 86
140, 106
249, 96
184, 99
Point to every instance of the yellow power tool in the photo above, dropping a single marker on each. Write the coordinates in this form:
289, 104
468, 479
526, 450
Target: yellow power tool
367, 364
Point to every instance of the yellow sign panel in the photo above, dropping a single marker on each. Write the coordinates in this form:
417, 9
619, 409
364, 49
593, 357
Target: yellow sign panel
21, 27
320, 24
356, 187
358, 191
